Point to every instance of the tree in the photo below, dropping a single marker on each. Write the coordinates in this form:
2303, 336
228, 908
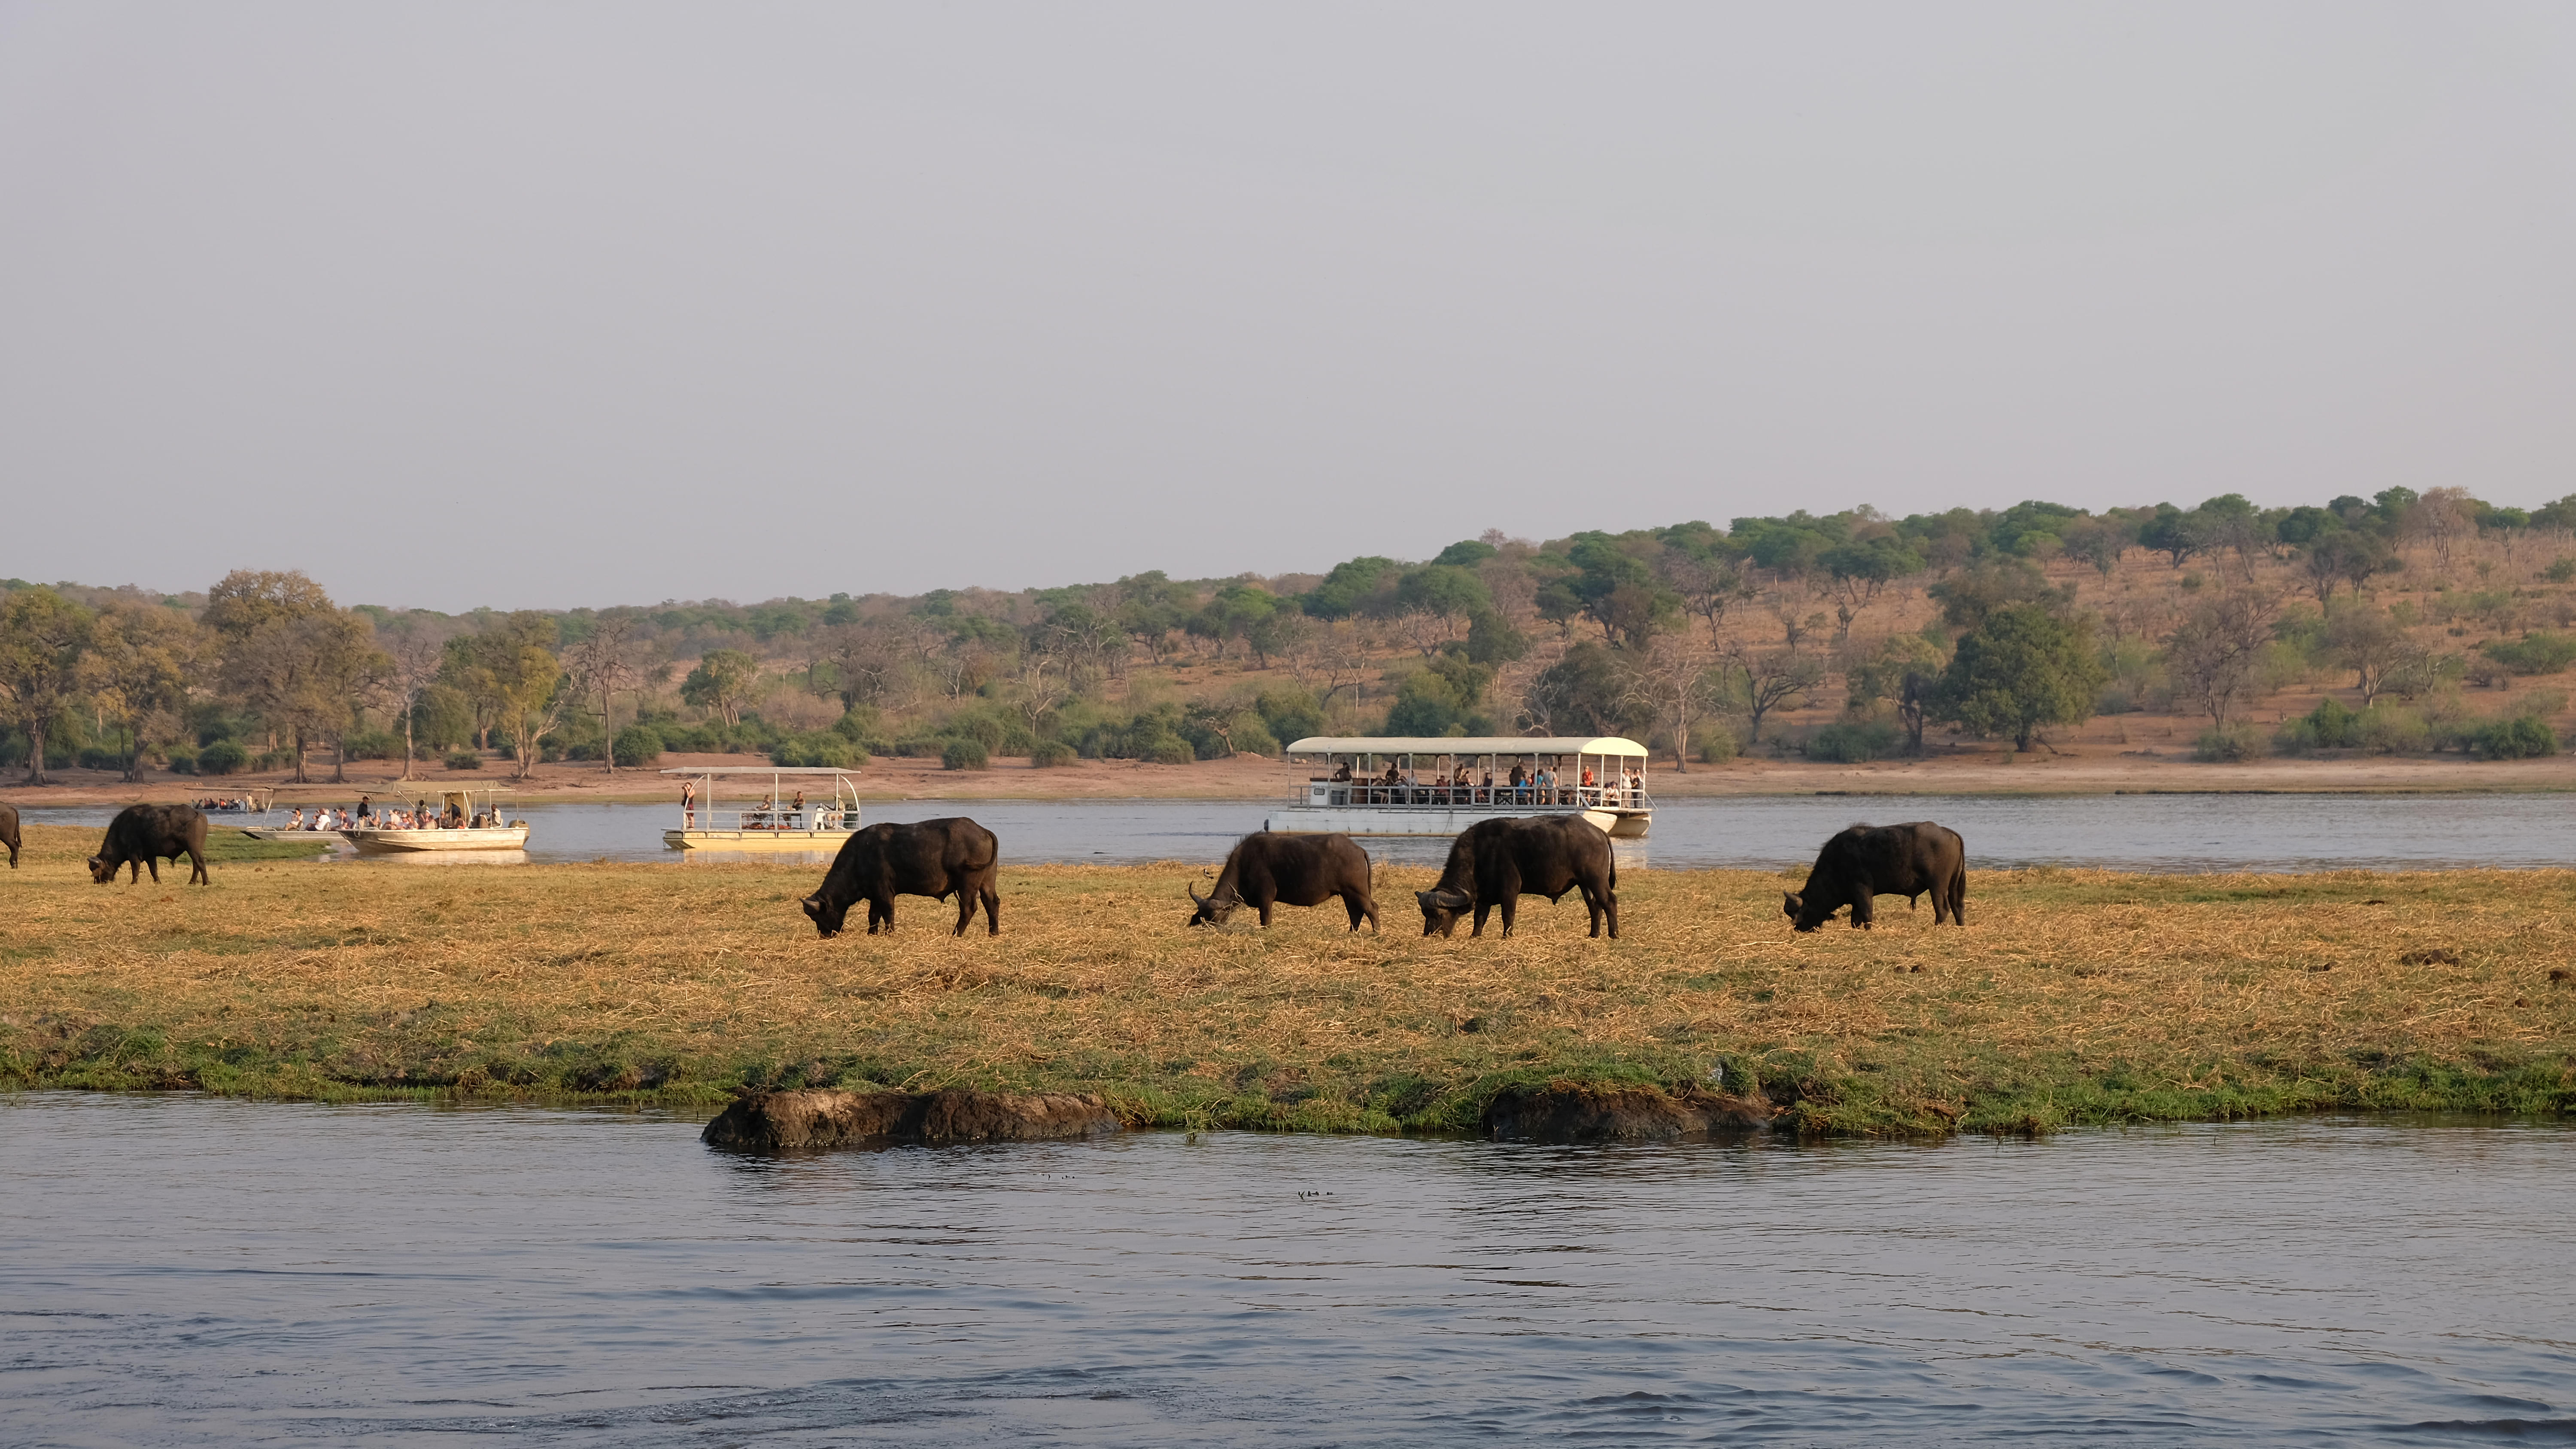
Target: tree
513, 664
2173, 533
1611, 587
2099, 542
1437, 599
1772, 679
602, 665
1582, 693
2215, 655
140, 663
1445, 697
1901, 673
2336, 555
302, 672
245, 600
1859, 569
42, 637
2023, 667
1967, 598
2441, 518
411, 666
722, 683
1703, 570
1676, 686
2372, 645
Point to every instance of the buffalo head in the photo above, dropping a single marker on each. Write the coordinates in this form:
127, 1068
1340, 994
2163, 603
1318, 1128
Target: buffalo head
826, 913
100, 872
1213, 910
1794, 906
1441, 909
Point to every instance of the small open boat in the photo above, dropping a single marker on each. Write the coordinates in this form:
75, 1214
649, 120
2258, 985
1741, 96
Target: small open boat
473, 828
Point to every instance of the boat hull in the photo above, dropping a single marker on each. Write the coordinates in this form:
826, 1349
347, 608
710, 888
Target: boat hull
405, 842
1617, 823
730, 840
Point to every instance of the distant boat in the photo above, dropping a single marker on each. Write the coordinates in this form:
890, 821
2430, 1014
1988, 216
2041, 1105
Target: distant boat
1395, 786
457, 805
776, 822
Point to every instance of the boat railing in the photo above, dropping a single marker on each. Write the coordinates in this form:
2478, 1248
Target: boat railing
812, 817
1377, 794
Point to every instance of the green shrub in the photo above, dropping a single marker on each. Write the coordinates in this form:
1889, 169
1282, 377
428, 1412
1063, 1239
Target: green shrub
1717, 745
963, 754
639, 744
1171, 750
2330, 726
1850, 741
182, 760
2561, 571
821, 749
2519, 738
2540, 652
2225, 747
464, 760
223, 757
1052, 754
92, 757
2386, 729
371, 744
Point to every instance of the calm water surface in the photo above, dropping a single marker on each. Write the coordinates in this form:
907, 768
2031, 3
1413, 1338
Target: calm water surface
188, 1271
2120, 832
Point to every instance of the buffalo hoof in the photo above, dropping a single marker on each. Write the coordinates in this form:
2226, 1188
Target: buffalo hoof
774, 1121
1563, 1112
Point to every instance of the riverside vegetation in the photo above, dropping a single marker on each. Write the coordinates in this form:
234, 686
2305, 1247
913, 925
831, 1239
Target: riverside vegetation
2073, 997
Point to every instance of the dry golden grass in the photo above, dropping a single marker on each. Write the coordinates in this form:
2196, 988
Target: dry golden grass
2072, 996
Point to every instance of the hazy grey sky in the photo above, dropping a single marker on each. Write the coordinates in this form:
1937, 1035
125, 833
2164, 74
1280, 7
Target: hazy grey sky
541, 305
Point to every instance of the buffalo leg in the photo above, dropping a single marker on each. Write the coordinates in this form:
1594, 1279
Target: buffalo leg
1959, 899
992, 911
1265, 914
1510, 906
965, 910
1484, 909
197, 868
1863, 912
880, 911
1360, 907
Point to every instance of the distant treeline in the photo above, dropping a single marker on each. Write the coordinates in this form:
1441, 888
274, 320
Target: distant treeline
1691, 636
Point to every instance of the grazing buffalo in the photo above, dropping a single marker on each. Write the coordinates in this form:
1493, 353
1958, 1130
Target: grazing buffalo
1265, 870
936, 858
1547, 855
142, 835
9, 832
1884, 860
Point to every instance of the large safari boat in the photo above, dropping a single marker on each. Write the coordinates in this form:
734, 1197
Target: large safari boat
774, 822
460, 823
1442, 786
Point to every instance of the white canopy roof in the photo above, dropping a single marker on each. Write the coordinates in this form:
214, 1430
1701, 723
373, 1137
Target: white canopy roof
1506, 745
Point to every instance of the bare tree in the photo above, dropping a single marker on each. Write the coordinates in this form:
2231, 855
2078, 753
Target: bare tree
1674, 681
2441, 518
602, 666
1773, 679
2371, 645
412, 664
2215, 655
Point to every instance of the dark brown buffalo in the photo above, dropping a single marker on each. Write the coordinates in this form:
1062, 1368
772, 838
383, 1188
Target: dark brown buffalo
936, 858
1884, 860
142, 835
1265, 869
9, 832
1496, 861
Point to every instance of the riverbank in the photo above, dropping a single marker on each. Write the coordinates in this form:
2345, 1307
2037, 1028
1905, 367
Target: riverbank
2074, 997
1984, 770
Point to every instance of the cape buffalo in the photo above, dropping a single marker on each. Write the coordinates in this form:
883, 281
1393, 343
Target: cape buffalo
1884, 860
9, 832
1264, 870
935, 858
1547, 855
141, 835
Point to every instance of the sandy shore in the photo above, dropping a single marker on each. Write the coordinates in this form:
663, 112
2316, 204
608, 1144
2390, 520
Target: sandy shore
1965, 772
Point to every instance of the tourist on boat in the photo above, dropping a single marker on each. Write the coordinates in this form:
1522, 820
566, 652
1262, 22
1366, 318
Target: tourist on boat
296, 820
1343, 774
688, 805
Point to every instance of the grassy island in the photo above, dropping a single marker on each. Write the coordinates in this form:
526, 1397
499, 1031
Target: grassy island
2072, 997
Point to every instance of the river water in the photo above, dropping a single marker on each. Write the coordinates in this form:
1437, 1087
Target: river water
2118, 832
179, 1270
